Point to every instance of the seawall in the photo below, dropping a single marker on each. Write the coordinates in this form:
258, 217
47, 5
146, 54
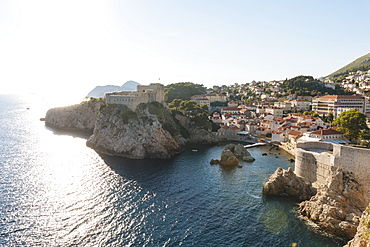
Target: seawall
315, 161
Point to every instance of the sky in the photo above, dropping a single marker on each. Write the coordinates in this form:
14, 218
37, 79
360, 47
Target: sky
74, 45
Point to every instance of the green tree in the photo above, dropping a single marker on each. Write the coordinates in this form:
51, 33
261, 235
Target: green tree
330, 117
308, 86
175, 104
365, 138
198, 114
351, 123
188, 105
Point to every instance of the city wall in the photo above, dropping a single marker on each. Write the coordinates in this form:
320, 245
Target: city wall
315, 161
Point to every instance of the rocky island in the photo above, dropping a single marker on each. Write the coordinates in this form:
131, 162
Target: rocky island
231, 154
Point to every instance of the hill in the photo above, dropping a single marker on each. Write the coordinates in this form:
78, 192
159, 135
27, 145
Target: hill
361, 63
308, 86
183, 90
99, 91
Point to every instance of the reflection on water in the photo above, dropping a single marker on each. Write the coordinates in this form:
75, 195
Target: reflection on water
55, 191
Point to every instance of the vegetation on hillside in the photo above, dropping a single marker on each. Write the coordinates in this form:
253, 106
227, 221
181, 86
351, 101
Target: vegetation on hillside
183, 90
308, 86
361, 63
198, 114
168, 122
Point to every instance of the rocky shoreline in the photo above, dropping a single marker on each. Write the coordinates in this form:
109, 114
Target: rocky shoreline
336, 208
151, 131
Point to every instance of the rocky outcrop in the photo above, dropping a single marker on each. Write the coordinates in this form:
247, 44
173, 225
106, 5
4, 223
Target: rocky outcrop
240, 152
362, 237
136, 135
148, 132
228, 158
231, 154
337, 206
76, 117
287, 182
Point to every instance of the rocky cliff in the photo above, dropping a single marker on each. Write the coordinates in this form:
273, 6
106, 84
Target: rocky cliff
337, 206
194, 134
362, 237
150, 131
76, 117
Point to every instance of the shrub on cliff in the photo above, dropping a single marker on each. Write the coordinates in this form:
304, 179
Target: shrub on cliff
198, 114
163, 115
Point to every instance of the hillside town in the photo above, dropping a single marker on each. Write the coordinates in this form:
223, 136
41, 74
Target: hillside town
263, 111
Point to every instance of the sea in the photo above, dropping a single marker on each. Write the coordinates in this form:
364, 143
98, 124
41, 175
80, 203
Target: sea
56, 191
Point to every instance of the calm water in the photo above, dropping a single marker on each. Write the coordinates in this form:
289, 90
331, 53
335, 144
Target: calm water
55, 191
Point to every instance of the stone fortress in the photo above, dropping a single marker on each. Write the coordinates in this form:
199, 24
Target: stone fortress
315, 162
143, 94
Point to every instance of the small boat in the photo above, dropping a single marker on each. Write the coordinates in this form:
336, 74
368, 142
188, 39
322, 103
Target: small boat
194, 150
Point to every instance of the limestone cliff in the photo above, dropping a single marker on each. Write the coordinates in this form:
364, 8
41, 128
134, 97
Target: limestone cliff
149, 132
362, 237
194, 133
337, 206
76, 117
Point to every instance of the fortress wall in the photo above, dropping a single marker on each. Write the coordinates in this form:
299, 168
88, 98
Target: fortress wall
356, 160
316, 165
315, 145
313, 167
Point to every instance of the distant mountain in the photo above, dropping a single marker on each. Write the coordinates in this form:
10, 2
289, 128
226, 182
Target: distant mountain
129, 86
361, 63
100, 91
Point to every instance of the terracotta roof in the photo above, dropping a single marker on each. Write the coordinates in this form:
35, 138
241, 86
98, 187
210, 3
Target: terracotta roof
276, 132
341, 97
294, 133
324, 132
300, 100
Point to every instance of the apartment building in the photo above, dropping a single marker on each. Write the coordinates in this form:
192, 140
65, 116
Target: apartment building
337, 104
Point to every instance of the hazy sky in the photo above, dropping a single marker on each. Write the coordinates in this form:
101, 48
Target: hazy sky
76, 45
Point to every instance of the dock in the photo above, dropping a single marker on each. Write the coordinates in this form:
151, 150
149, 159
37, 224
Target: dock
257, 144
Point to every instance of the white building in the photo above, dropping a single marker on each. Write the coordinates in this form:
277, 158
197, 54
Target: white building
330, 103
277, 112
300, 104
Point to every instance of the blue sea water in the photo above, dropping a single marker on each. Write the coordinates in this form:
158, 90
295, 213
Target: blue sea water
55, 191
